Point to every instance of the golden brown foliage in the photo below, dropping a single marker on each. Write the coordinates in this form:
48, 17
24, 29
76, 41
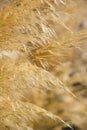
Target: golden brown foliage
36, 39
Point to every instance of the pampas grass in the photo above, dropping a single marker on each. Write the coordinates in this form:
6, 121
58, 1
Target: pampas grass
36, 38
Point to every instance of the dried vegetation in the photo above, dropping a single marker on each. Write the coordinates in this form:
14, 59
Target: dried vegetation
43, 71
